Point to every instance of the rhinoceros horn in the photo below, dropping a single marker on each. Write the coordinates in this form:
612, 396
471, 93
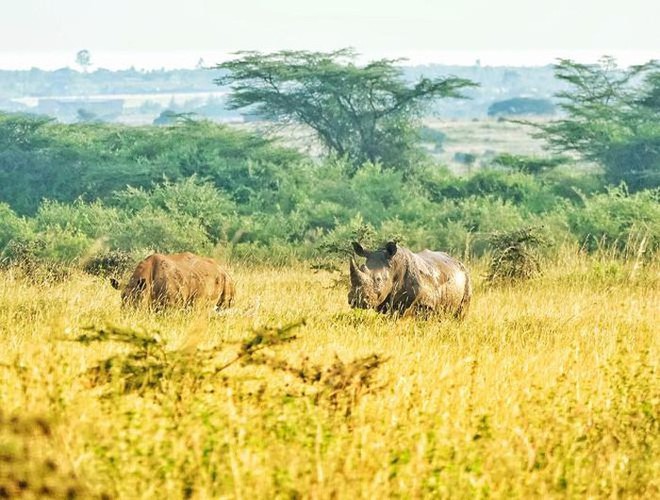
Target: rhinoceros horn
357, 276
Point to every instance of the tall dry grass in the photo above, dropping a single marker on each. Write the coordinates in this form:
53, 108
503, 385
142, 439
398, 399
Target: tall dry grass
549, 388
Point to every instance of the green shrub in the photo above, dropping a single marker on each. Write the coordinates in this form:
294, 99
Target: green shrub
110, 263
573, 183
157, 230
93, 220
190, 197
516, 187
12, 227
479, 216
516, 254
44, 160
62, 245
465, 158
528, 164
616, 217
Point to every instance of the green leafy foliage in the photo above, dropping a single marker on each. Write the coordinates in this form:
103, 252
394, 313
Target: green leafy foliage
200, 201
12, 226
616, 218
110, 263
612, 118
40, 159
203, 188
528, 164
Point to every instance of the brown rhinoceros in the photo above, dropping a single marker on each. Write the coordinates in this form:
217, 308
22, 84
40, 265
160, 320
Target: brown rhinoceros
177, 280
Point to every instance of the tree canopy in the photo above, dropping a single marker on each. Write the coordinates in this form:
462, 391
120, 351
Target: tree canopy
363, 113
84, 59
612, 117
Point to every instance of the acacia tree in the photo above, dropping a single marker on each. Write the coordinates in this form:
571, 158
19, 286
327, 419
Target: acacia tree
84, 59
612, 117
363, 113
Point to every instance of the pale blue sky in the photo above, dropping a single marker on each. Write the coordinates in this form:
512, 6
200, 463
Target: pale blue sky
32, 31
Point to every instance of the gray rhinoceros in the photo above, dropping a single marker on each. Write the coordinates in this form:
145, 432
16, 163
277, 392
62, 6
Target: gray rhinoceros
397, 281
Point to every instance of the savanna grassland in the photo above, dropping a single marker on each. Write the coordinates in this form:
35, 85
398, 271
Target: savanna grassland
549, 388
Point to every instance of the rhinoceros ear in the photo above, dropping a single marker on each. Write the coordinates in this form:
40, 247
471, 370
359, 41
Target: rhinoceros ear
114, 283
359, 250
391, 249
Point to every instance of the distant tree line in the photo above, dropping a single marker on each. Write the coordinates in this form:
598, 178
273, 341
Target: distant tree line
521, 106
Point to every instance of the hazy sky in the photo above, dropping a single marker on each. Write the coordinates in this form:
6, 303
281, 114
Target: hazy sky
49, 32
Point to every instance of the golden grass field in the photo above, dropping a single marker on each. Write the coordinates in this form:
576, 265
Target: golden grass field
549, 388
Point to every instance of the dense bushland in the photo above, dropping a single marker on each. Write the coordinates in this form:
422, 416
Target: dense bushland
70, 191
42, 159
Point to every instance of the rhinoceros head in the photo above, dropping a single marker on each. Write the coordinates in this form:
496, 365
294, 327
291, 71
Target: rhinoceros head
132, 293
373, 281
